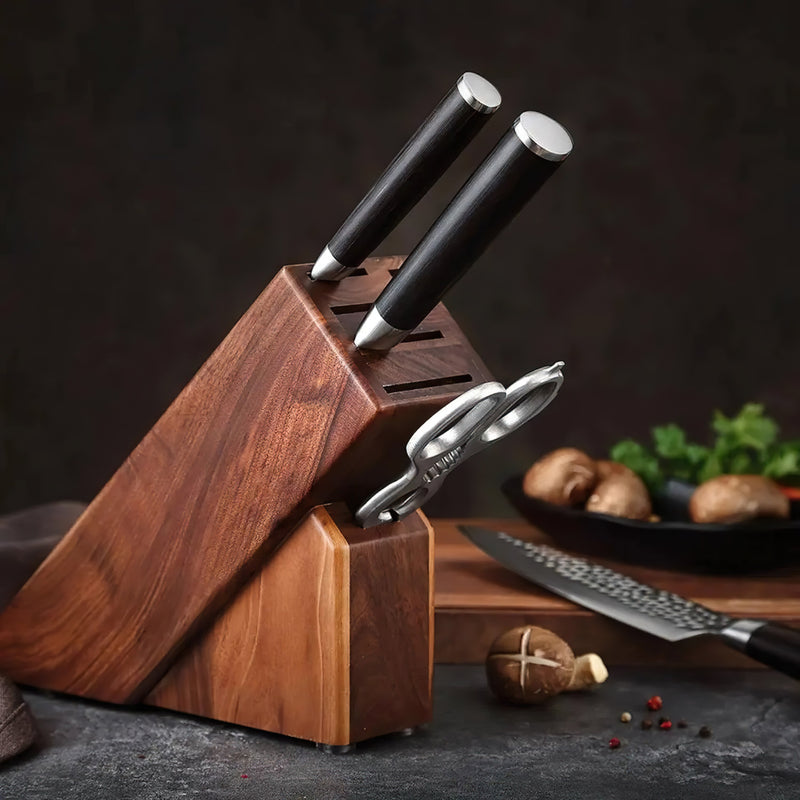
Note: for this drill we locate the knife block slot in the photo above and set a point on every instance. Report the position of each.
(412, 385)
(353, 308)
(422, 336)
(285, 417)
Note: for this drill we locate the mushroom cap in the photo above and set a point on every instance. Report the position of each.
(737, 498)
(605, 469)
(528, 664)
(621, 494)
(564, 477)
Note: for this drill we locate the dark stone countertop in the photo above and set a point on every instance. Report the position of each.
(474, 748)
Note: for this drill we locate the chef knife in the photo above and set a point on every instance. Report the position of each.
(652, 610)
(528, 154)
(451, 126)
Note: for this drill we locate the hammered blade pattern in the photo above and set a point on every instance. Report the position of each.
(637, 596)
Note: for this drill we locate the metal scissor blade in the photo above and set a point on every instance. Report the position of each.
(598, 588)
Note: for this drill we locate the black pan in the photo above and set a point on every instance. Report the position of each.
(674, 542)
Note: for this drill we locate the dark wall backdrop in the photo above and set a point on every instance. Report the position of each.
(160, 161)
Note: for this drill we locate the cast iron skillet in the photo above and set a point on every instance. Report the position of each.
(673, 543)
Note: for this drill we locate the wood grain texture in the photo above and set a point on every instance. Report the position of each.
(278, 656)
(477, 599)
(391, 625)
(330, 641)
(286, 414)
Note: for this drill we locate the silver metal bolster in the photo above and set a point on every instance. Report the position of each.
(327, 268)
(738, 633)
(375, 333)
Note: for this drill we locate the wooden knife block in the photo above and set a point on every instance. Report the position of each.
(171, 588)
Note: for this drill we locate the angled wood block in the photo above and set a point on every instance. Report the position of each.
(330, 641)
(285, 415)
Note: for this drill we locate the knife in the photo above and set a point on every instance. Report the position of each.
(528, 154)
(451, 126)
(654, 611)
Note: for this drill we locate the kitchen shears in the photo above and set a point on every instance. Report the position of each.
(474, 420)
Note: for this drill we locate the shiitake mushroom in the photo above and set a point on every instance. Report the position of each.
(605, 469)
(737, 498)
(619, 492)
(564, 477)
(528, 665)
(569, 477)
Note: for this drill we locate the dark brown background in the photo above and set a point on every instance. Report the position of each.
(161, 160)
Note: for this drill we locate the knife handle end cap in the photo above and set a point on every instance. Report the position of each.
(543, 136)
(478, 93)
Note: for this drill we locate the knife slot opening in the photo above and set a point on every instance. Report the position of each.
(354, 308)
(446, 380)
(358, 273)
(422, 336)
(394, 271)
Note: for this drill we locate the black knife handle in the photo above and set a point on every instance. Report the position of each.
(451, 126)
(776, 646)
(510, 175)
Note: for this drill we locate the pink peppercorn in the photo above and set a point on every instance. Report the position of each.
(655, 703)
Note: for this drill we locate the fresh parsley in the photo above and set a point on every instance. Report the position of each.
(745, 444)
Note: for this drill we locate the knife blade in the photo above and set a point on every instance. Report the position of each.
(524, 158)
(652, 610)
(450, 127)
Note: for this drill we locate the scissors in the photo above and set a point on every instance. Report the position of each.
(474, 420)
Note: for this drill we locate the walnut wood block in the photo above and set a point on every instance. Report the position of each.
(284, 415)
(477, 599)
(330, 641)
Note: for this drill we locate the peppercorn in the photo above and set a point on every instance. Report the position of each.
(682, 723)
(655, 702)
(661, 720)
(625, 716)
(614, 743)
(647, 724)
(705, 732)
(665, 725)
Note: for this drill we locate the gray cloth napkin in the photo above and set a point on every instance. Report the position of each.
(25, 540)
(17, 731)
(27, 537)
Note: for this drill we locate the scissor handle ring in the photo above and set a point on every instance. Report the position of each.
(467, 424)
(525, 398)
(455, 424)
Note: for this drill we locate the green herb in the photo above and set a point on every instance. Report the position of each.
(640, 460)
(746, 444)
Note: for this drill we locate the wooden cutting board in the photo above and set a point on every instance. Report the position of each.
(476, 599)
